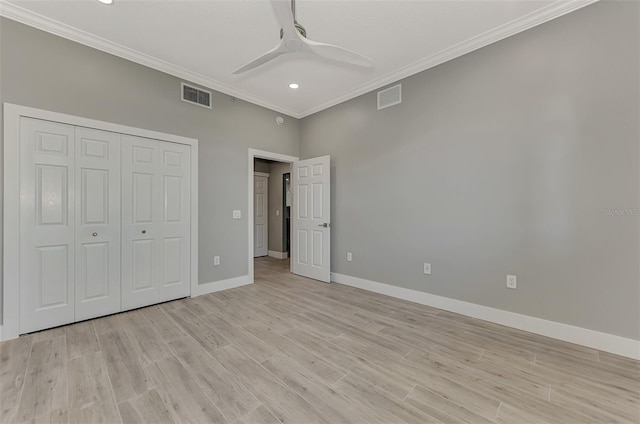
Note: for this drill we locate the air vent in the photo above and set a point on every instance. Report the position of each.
(390, 96)
(196, 96)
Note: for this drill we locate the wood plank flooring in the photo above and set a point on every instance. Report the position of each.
(292, 350)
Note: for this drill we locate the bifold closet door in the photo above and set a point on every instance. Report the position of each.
(47, 219)
(70, 224)
(97, 229)
(155, 221)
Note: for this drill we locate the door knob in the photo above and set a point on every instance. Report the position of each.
(325, 225)
(94, 234)
(144, 231)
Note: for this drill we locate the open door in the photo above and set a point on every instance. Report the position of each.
(311, 232)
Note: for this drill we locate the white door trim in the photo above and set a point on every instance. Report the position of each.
(261, 174)
(259, 154)
(11, 239)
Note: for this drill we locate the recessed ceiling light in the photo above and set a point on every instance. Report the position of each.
(106, 1)
(293, 86)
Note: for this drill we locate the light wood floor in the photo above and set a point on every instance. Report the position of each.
(294, 350)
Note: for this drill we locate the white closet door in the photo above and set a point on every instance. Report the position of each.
(260, 215)
(46, 224)
(97, 240)
(155, 221)
(175, 273)
(141, 232)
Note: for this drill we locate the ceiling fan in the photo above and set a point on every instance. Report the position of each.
(293, 38)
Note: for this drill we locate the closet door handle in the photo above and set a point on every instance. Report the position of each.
(144, 231)
(95, 234)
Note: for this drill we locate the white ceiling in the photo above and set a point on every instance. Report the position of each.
(204, 41)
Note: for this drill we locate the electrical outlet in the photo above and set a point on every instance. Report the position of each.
(427, 268)
(277, 212)
(237, 214)
(512, 282)
(349, 257)
(216, 260)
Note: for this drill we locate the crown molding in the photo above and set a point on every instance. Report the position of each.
(538, 17)
(27, 17)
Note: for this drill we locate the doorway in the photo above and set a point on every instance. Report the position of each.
(269, 208)
(310, 214)
(273, 213)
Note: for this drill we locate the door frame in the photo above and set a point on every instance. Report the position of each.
(11, 239)
(258, 154)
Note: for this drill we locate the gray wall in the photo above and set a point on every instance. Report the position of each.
(278, 169)
(47, 72)
(503, 161)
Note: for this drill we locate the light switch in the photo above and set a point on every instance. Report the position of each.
(237, 214)
(277, 212)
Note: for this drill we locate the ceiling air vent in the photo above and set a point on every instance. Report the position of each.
(390, 96)
(196, 96)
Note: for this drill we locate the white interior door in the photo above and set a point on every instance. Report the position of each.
(175, 171)
(46, 224)
(155, 221)
(141, 232)
(260, 215)
(97, 224)
(311, 222)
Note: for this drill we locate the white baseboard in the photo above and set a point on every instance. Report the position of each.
(221, 285)
(578, 335)
(278, 255)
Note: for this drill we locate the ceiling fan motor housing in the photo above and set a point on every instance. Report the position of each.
(299, 27)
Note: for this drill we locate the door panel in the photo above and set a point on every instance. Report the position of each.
(260, 215)
(172, 195)
(52, 190)
(143, 265)
(97, 225)
(302, 247)
(156, 230)
(94, 196)
(317, 248)
(46, 224)
(172, 263)
(95, 270)
(142, 198)
(311, 218)
(53, 276)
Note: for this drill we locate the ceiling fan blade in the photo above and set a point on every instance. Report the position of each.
(284, 15)
(261, 60)
(339, 54)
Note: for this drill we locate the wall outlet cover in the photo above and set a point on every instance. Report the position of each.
(427, 268)
(216, 260)
(349, 257)
(512, 282)
(237, 214)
